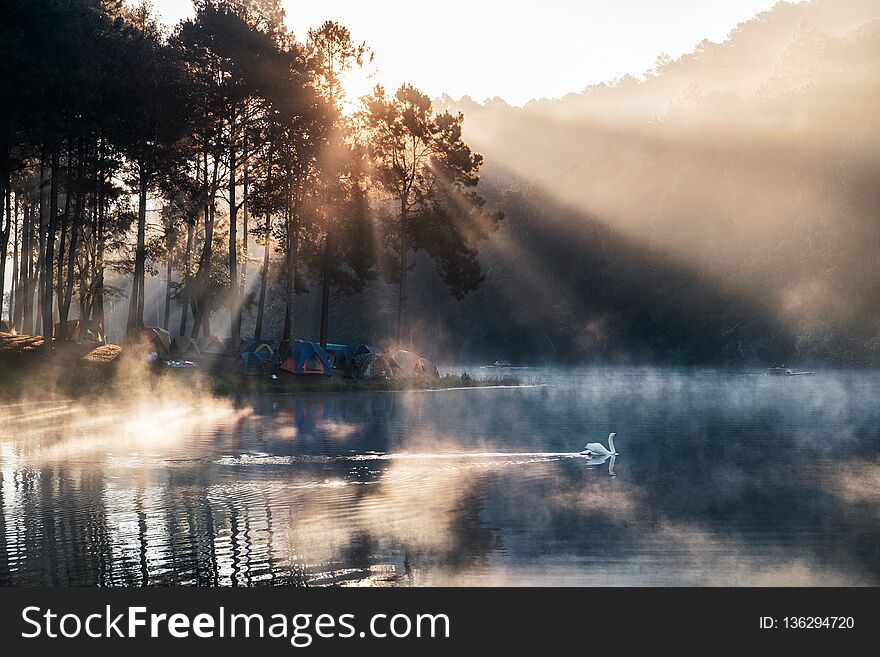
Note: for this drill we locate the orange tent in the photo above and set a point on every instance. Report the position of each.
(69, 333)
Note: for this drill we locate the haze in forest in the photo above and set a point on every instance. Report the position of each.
(722, 207)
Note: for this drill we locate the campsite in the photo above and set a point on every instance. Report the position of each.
(82, 366)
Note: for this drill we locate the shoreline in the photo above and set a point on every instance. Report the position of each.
(80, 370)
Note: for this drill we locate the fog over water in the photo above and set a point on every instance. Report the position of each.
(723, 478)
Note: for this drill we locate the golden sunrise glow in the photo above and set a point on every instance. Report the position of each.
(518, 50)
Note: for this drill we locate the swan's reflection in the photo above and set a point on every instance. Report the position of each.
(601, 460)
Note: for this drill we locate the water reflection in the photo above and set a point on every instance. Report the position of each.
(610, 459)
(460, 487)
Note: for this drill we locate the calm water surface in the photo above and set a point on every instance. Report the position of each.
(723, 478)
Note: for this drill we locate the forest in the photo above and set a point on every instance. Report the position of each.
(132, 154)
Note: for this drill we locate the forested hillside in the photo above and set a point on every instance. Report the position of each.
(724, 207)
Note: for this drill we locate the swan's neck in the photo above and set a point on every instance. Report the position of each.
(611, 444)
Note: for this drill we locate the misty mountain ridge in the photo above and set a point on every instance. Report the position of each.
(745, 171)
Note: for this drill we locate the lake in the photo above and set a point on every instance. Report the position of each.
(722, 478)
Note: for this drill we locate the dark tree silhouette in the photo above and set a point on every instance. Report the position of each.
(422, 162)
(124, 149)
(340, 234)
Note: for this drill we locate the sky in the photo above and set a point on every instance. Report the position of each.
(515, 49)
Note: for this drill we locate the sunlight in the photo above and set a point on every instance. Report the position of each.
(357, 82)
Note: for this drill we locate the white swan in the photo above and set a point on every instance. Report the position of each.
(598, 449)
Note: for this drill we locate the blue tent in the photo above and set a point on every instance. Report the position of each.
(250, 345)
(253, 364)
(340, 355)
(343, 356)
(307, 358)
(264, 352)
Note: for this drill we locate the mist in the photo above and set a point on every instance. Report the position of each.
(721, 208)
(720, 480)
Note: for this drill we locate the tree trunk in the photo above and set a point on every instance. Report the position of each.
(24, 269)
(198, 299)
(89, 266)
(289, 278)
(203, 276)
(325, 291)
(42, 228)
(169, 251)
(234, 302)
(62, 240)
(184, 299)
(15, 292)
(136, 307)
(194, 311)
(98, 305)
(245, 234)
(264, 275)
(74, 238)
(31, 287)
(264, 278)
(401, 292)
(5, 220)
(48, 276)
(166, 319)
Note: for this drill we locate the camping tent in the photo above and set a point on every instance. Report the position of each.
(153, 338)
(184, 347)
(307, 358)
(92, 331)
(257, 356)
(264, 352)
(283, 349)
(208, 344)
(372, 366)
(341, 356)
(253, 365)
(250, 345)
(412, 364)
(365, 349)
(69, 332)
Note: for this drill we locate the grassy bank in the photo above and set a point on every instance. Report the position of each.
(72, 370)
(86, 370)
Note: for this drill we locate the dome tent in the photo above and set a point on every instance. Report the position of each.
(307, 359)
(252, 364)
(183, 347)
(413, 364)
(370, 365)
(250, 345)
(209, 344)
(153, 338)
